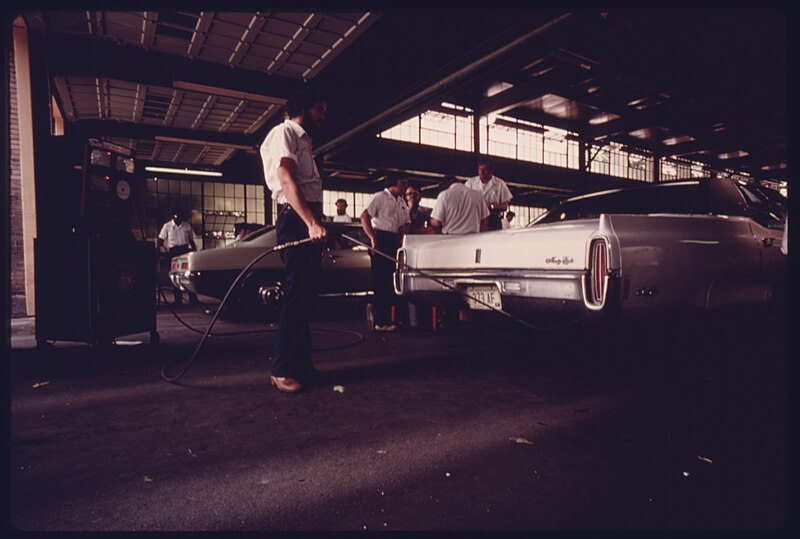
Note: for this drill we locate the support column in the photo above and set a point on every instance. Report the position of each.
(656, 168)
(476, 132)
(26, 161)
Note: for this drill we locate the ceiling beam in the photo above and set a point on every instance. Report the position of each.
(550, 82)
(399, 156)
(100, 128)
(91, 57)
(438, 87)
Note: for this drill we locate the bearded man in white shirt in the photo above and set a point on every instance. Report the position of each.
(341, 212)
(293, 178)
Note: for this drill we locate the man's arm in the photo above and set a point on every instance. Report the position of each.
(162, 235)
(366, 224)
(436, 225)
(484, 224)
(286, 176)
(505, 196)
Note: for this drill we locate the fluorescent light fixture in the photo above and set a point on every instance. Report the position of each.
(779, 166)
(187, 171)
(733, 155)
(498, 87)
(602, 118)
(678, 139)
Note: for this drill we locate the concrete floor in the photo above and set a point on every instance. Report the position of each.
(488, 427)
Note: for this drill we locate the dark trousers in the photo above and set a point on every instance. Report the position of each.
(176, 293)
(495, 220)
(301, 266)
(382, 275)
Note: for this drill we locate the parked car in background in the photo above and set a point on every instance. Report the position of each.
(345, 268)
(696, 246)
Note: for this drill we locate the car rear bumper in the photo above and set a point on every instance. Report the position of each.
(185, 280)
(522, 291)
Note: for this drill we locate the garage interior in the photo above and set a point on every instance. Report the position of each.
(673, 426)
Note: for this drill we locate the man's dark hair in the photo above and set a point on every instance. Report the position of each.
(340, 200)
(392, 180)
(510, 214)
(446, 182)
(301, 102)
(487, 162)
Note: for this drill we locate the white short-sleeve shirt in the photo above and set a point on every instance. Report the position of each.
(785, 240)
(495, 191)
(175, 235)
(460, 210)
(387, 211)
(289, 139)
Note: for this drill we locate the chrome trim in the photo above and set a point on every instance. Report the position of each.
(348, 294)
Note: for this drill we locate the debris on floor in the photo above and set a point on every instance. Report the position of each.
(520, 440)
(338, 389)
(705, 459)
(40, 384)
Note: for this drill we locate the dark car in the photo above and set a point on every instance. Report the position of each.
(345, 268)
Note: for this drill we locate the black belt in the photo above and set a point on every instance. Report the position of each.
(315, 207)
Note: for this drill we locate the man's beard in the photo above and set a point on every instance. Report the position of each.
(313, 129)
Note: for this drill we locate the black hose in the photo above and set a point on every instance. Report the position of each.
(360, 337)
(279, 247)
(455, 289)
(173, 379)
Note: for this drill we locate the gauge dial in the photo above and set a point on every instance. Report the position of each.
(123, 189)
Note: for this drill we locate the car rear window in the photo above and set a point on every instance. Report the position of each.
(688, 197)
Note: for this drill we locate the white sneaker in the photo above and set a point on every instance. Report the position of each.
(371, 315)
(388, 327)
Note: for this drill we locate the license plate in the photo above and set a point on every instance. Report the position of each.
(485, 294)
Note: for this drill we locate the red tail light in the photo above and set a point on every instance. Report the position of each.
(597, 271)
(185, 266)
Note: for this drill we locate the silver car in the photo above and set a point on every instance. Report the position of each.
(345, 268)
(688, 245)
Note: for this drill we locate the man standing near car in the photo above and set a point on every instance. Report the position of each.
(419, 216)
(292, 176)
(458, 210)
(178, 237)
(385, 220)
(494, 190)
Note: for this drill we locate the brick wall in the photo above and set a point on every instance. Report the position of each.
(15, 201)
